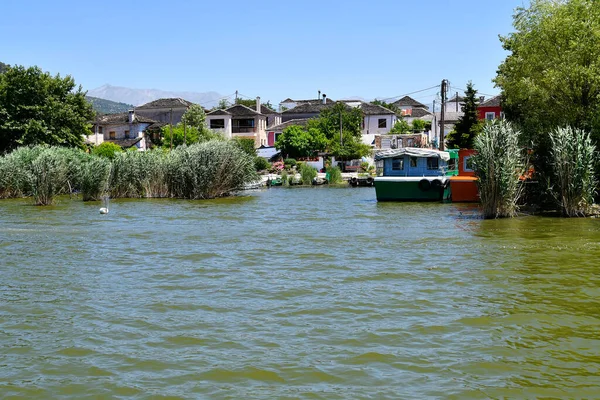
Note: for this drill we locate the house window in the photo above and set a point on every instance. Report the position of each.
(490, 115)
(112, 135)
(217, 124)
(409, 143)
(397, 164)
(99, 129)
(413, 162)
(433, 163)
(382, 123)
(126, 134)
(468, 164)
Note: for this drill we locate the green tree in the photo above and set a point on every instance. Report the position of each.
(468, 125)
(341, 125)
(3, 67)
(297, 141)
(400, 127)
(418, 125)
(194, 117)
(552, 75)
(223, 104)
(246, 145)
(37, 108)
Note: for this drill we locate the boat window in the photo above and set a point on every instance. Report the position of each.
(452, 165)
(397, 164)
(413, 162)
(432, 163)
(468, 164)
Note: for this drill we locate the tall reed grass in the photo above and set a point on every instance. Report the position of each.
(201, 171)
(573, 162)
(307, 174)
(499, 165)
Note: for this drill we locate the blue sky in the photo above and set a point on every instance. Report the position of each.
(272, 49)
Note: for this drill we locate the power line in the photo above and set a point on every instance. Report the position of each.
(408, 94)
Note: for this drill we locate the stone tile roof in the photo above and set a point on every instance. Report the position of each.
(493, 102)
(218, 112)
(174, 102)
(240, 110)
(449, 116)
(282, 126)
(419, 112)
(266, 110)
(408, 101)
(308, 108)
(122, 119)
(374, 109)
(299, 102)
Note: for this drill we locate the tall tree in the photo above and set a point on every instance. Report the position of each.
(552, 75)
(299, 141)
(468, 125)
(37, 108)
(194, 117)
(342, 126)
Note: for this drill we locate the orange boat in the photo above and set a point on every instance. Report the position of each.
(463, 187)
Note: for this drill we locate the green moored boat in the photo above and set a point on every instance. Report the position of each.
(412, 174)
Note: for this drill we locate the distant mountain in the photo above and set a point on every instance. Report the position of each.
(142, 96)
(104, 106)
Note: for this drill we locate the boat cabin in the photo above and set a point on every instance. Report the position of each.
(409, 161)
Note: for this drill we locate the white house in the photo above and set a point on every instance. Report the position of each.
(125, 129)
(241, 121)
(377, 120)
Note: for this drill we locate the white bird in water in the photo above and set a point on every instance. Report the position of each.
(104, 210)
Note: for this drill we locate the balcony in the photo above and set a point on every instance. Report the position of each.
(243, 129)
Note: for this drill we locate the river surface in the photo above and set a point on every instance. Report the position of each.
(302, 293)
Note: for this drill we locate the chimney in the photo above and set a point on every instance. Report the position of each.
(258, 104)
(319, 96)
(481, 99)
(131, 116)
(324, 98)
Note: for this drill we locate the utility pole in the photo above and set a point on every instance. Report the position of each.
(171, 126)
(443, 91)
(341, 126)
(434, 106)
(236, 96)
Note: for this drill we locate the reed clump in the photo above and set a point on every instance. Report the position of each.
(573, 162)
(201, 171)
(499, 164)
(307, 174)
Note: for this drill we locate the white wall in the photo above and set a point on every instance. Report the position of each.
(227, 130)
(372, 124)
(135, 130)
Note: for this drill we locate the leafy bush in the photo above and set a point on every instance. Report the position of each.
(107, 149)
(499, 165)
(307, 173)
(573, 159)
(290, 162)
(246, 145)
(261, 164)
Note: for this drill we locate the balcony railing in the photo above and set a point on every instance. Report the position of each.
(243, 129)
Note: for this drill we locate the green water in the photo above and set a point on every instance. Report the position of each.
(310, 293)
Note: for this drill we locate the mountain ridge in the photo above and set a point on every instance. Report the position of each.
(138, 97)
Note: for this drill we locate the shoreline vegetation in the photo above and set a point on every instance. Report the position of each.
(201, 171)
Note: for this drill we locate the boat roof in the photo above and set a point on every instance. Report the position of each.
(413, 152)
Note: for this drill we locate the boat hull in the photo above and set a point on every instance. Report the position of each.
(433, 188)
(463, 189)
